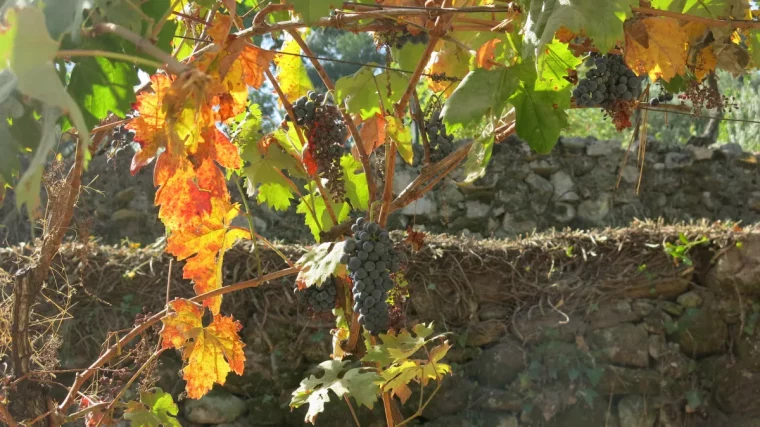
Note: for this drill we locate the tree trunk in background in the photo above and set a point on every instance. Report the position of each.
(710, 133)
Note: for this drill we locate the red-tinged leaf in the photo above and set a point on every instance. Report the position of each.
(485, 55)
(204, 245)
(255, 61)
(149, 125)
(181, 201)
(222, 150)
(210, 353)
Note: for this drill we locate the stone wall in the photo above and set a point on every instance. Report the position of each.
(577, 186)
(574, 186)
(569, 329)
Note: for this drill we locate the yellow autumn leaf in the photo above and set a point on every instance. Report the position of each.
(294, 81)
(665, 55)
(402, 136)
(210, 352)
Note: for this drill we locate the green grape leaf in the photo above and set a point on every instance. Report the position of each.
(753, 45)
(154, 409)
(553, 66)
(540, 111)
(101, 86)
(311, 10)
(602, 20)
(319, 263)
(322, 220)
(355, 183)
(409, 55)
(358, 383)
(28, 187)
(396, 348)
(482, 93)
(122, 12)
(27, 47)
(359, 91)
(65, 17)
(715, 9)
(265, 159)
(397, 376)
(478, 158)
(155, 10)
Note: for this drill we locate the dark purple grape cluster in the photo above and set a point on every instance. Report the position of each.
(371, 259)
(662, 97)
(610, 80)
(321, 298)
(441, 143)
(326, 132)
(401, 39)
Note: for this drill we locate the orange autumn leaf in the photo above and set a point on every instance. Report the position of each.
(665, 55)
(485, 54)
(149, 125)
(179, 197)
(373, 133)
(203, 246)
(255, 61)
(210, 353)
(220, 29)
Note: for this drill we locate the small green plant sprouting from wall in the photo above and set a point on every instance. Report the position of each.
(679, 250)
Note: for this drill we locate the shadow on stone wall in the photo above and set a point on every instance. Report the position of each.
(574, 186)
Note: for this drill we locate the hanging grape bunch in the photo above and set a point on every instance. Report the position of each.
(610, 80)
(441, 143)
(662, 97)
(371, 259)
(321, 299)
(326, 132)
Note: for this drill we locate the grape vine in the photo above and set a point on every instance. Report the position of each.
(73, 68)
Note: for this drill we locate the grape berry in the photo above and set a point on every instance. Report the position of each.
(661, 98)
(611, 80)
(441, 143)
(326, 132)
(371, 259)
(321, 299)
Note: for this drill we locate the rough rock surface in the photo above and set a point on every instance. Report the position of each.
(574, 185)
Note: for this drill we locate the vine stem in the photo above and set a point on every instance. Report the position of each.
(6, 417)
(330, 85)
(731, 23)
(339, 21)
(400, 107)
(112, 351)
(140, 370)
(293, 119)
(171, 64)
(106, 54)
(251, 224)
